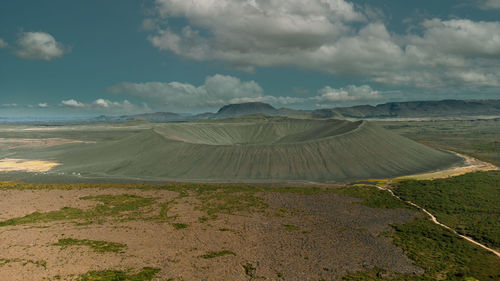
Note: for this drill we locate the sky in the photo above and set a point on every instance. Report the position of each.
(70, 58)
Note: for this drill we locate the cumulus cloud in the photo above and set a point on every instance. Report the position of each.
(98, 103)
(43, 105)
(104, 106)
(349, 93)
(3, 44)
(449, 53)
(248, 33)
(72, 103)
(332, 36)
(39, 46)
(217, 90)
(103, 103)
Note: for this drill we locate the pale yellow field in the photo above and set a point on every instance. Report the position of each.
(23, 165)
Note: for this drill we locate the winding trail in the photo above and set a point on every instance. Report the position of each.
(434, 220)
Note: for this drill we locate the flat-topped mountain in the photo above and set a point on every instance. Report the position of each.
(234, 110)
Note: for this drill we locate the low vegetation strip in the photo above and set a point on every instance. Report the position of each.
(146, 274)
(214, 254)
(123, 206)
(97, 246)
(467, 203)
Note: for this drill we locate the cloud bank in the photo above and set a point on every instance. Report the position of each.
(219, 90)
(331, 36)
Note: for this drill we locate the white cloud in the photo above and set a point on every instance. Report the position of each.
(250, 32)
(98, 103)
(110, 104)
(39, 46)
(3, 44)
(9, 105)
(282, 101)
(332, 36)
(489, 4)
(349, 93)
(217, 90)
(72, 103)
(449, 53)
(464, 38)
(104, 106)
(43, 104)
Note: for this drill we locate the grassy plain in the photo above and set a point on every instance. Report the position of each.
(467, 203)
(479, 138)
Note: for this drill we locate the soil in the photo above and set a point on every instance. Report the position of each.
(297, 237)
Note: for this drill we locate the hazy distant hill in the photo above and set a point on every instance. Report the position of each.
(442, 108)
(417, 109)
(152, 117)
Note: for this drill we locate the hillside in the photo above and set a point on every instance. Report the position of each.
(442, 108)
(234, 110)
(270, 149)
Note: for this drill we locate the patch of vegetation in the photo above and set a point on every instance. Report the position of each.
(290, 227)
(230, 202)
(146, 274)
(203, 219)
(211, 255)
(467, 203)
(180, 225)
(164, 209)
(250, 270)
(122, 206)
(97, 246)
(214, 200)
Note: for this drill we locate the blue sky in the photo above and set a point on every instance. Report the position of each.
(83, 58)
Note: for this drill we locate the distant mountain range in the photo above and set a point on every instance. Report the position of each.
(443, 108)
(227, 111)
